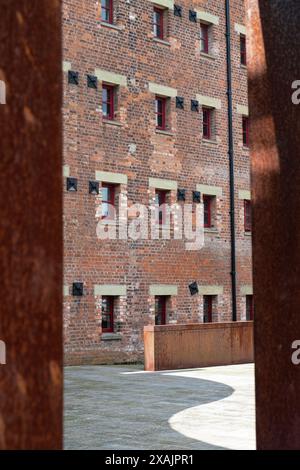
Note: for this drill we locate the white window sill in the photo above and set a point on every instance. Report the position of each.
(111, 26)
(111, 337)
(207, 56)
(211, 230)
(210, 142)
(112, 123)
(248, 234)
(163, 42)
(162, 132)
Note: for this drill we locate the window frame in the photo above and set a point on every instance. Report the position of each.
(204, 28)
(112, 90)
(243, 50)
(206, 122)
(162, 113)
(245, 128)
(209, 199)
(161, 213)
(160, 25)
(110, 10)
(112, 191)
(249, 308)
(164, 299)
(111, 305)
(209, 299)
(247, 216)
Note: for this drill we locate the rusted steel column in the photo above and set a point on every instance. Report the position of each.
(274, 64)
(31, 224)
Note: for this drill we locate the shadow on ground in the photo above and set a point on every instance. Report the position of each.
(111, 408)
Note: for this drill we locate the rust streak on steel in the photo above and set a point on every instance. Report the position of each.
(274, 63)
(31, 224)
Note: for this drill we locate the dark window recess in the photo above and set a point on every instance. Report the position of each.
(243, 49)
(207, 203)
(245, 131)
(108, 102)
(179, 102)
(180, 194)
(204, 38)
(194, 105)
(207, 308)
(160, 202)
(206, 123)
(160, 310)
(158, 23)
(193, 16)
(107, 312)
(73, 77)
(178, 11)
(194, 288)
(77, 289)
(71, 184)
(93, 187)
(92, 82)
(196, 196)
(160, 111)
(247, 215)
(249, 308)
(107, 13)
(108, 201)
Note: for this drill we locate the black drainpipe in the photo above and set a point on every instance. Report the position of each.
(231, 160)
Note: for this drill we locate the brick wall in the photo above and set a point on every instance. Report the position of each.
(132, 147)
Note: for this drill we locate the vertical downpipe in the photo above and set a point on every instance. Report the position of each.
(231, 161)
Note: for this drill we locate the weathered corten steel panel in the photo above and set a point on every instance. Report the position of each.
(198, 345)
(31, 224)
(274, 64)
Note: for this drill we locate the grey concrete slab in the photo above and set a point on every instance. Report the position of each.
(123, 407)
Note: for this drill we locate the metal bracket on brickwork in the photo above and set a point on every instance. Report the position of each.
(73, 77)
(92, 82)
(77, 289)
(196, 196)
(179, 102)
(71, 184)
(195, 105)
(194, 288)
(181, 195)
(93, 187)
(178, 11)
(193, 16)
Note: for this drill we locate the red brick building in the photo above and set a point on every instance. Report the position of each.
(146, 118)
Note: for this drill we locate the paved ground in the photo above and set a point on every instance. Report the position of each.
(122, 408)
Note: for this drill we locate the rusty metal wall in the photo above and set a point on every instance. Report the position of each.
(274, 64)
(31, 224)
(198, 345)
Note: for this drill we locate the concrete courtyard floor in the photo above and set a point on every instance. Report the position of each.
(123, 407)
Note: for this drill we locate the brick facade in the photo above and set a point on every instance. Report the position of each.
(128, 151)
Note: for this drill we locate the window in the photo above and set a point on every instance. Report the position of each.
(249, 307)
(204, 38)
(207, 308)
(107, 11)
(107, 314)
(245, 131)
(207, 123)
(108, 201)
(160, 310)
(207, 203)
(160, 110)
(108, 97)
(247, 215)
(158, 23)
(160, 202)
(243, 49)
